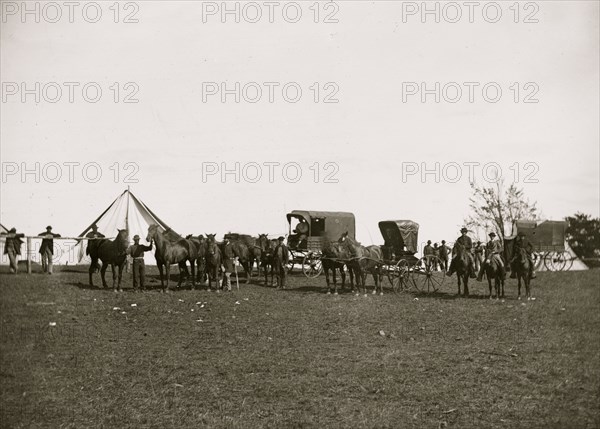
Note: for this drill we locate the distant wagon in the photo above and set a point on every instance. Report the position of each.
(548, 241)
(403, 269)
(309, 232)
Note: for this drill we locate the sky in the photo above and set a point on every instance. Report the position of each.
(369, 148)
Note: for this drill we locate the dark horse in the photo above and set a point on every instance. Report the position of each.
(240, 244)
(495, 271)
(462, 266)
(520, 263)
(334, 259)
(200, 243)
(110, 252)
(213, 261)
(363, 260)
(171, 248)
(266, 257)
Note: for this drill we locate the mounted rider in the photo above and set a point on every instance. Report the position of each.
(465, 241)
(522, 243)
(493, 252)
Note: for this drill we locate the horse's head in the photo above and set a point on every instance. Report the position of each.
(152, 233)
(122, 239)
(263, 241)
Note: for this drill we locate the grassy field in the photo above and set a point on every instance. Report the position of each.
(298, 358)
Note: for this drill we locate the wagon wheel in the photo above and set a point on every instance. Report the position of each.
(312, 266)
(538, 259)
(428, 274)
(557, 261)
(399, 276)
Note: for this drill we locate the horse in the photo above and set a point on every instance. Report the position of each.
(521, 266)
(267, 253)
(200, 243)
(171, 248)
(110, 252)
(461, 264)
(494, 271)
(363, 260)
(241, 250)
(332, 260)
(213, 259)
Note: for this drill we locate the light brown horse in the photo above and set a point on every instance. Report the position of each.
(171, 248)
(110, 252)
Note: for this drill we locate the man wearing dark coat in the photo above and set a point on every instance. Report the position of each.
(47, 249)
(136, 251)
(93, 244)
(12, 248)
(521, 242)
(227, 266)
(281, 256)
(444, 252)
(467, 244)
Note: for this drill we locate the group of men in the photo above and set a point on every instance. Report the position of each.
(12, 248)
(494, 252)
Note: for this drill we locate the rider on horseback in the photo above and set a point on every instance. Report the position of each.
(493, 252)
(467, 244)
(522, 243)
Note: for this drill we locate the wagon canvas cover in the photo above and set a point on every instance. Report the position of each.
(399, 233)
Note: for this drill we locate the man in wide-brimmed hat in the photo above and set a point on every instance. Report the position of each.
(465, 241)
(493, 251)
(47, 249)
(136, 251)
(12, 248)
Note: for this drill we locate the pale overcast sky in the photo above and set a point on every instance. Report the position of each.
(369, 133)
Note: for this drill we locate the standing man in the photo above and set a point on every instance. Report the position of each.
(465, 241)
(227, 266)
(281, 256)
(493, 250)
(428, 253)
(521, 242)
(444, 251)
(136, 251)
(47, 249)
(478, 253)
(436, 253)
(12, 248)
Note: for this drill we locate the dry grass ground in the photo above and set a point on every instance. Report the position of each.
(298, 358)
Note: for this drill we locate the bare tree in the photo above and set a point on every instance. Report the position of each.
(492, 209)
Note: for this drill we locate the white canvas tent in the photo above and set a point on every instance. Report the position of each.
(126, 212)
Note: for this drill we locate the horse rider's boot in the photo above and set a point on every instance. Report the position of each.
(473, 271)
(480, 275)
(531, 272)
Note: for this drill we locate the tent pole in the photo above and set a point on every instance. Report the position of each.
(127, 225)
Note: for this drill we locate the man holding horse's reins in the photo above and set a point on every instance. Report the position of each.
(522, 243)
(136, 251)
(93, 244)
(493, 252)
(465, 241)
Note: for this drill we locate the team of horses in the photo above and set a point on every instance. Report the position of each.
(346, 255)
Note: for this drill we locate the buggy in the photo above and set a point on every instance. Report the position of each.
(309, 231)
(548, 241)
(403, 269)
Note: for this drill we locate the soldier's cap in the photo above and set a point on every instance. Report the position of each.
(136, 237)
(48, 227)
(281, 238)
(444, 241)
(463, 229)
(492, 234)
(13, 230)
(94, 226)
(428, 241)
